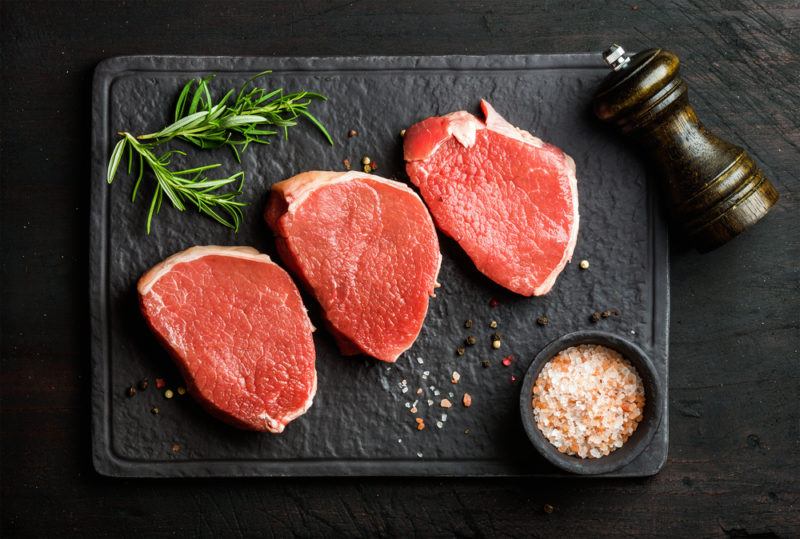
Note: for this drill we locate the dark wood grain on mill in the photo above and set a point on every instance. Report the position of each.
(735, 383)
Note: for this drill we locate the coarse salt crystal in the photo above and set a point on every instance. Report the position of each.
(420, 360)
(588, 400)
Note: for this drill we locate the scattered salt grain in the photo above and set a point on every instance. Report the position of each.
(419, 454)
(430, 402)
(399, 440)
(439, 424)
(588, 400)
(420, 360)
(436, 392)
(451, 394)
(444, 417)
(408, 405)
(405, 390)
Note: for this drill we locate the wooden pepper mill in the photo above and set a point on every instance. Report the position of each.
(714, 189)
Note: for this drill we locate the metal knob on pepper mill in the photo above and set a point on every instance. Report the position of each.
(714, 189)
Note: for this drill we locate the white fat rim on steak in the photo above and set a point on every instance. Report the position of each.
(325, 178)
(150, 278)
(548, 283)
(463, 126)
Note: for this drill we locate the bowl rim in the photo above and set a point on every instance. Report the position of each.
(638, 441)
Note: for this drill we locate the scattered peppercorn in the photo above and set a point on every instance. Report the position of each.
(374, 166)
(596, 316)
(366, 160)
(346, 163)
(467, 400)
(496, 344)
(468, 324)
(471, 340)
(181, 390)
(548, 508)
(513, 378)
(584, 265)
(460, 351)
(493, 324)
(543, 320)
(352, 133)
(169, 394)
(154, 410)
(507, 360)
(466, 431)
(144, 384)
(160, 383)
(493, 303)
(367, 169)
(131, 391)
(485, 364)
(176, 448)
(402, 132)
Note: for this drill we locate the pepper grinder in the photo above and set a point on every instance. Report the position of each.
(714, 189)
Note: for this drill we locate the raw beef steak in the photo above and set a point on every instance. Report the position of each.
(366, 248)
(234, 322)
(509, 199)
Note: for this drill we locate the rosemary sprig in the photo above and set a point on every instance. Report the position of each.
(200, 121)
(203, 123)
(179, 186)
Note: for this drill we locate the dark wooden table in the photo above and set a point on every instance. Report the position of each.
(734, 457)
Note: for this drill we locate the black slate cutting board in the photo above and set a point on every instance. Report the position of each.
(359, 424)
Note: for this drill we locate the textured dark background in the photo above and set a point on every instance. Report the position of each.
(734, 385)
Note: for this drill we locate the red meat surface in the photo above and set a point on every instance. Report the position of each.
(235, 323)
(508, 199)
(366, 248)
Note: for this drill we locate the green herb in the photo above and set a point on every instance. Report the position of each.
(200, 121)
(181, 187)
(203, 123)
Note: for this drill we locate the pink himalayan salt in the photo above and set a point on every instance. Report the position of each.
(588, 400)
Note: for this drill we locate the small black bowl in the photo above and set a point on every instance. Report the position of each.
(638, 440)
